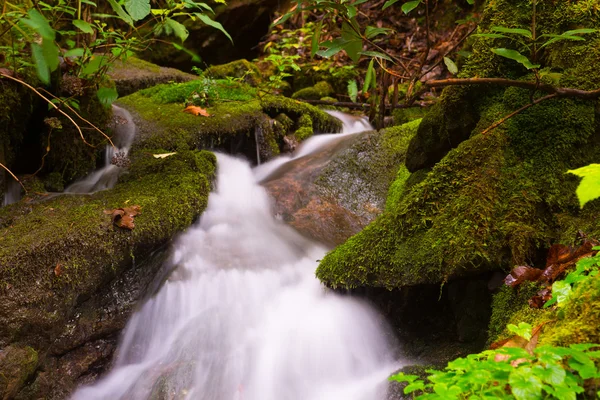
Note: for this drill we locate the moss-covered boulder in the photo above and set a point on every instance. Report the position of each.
(333, 194)
(17, 365)
(136, 74)
(495, 200)
(57, 254)
(316, 92)
(239, 69)
(237, 120)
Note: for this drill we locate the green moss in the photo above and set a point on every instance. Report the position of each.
(17, 364)
(241, 69)
(316, 92)
(510, 305)
(305, 128)
(74, 233)
(322, 122)
(404, 115)
(579, 318)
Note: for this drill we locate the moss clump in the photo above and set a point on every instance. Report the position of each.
(62, 250)
(324, 70)
(241, 69)
(316, 92)
(322, 122)
(17, 365)
(404, 115)
(305, 128)
(510, 306)
(579, 318)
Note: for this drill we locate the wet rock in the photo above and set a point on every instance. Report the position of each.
(17, 364)
(331, 195)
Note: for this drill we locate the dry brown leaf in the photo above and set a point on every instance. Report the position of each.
(123, 217)
(521, 274)
(58, 269)
(196, 111)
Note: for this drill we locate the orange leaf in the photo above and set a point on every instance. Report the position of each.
(123, 217)
(196, 111)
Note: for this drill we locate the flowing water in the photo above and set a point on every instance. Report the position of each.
(13, 191)
(107, 176)
(242, 316)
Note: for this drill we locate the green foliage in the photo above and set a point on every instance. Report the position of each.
(562, 290)
(91, 45)
(589, 188)
(511, 373)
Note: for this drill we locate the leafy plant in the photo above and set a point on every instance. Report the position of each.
(511, 373)
(585, 269)
(589, 188)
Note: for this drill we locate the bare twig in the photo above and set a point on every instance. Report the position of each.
(14, 176)
(49, 102)
(544, 87)
(520, 110)
(450, 50)
(64, 103)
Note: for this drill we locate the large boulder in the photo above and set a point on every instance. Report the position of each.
(333, 194)
(59, 255)
(496, 200)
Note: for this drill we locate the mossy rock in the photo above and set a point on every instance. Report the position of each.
(235, 116)
(17, 364)
(56, 253)
(240, 69)
(316, 92)
(135, 74)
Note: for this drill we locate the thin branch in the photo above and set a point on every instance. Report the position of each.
(49, 102)
(450, 50)
(544, 87)
(14, 176)
(520, 110)
(64, 103)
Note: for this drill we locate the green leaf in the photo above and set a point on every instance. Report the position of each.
(210, 22)
(332, 47)
(375, 54)
(410, 5)
(138, 9)
(77, 52)
(353, 43)
(352, 90)
(523, 330)
(589, 187)
(41, 66)
(389, 3)
(524, 385)
(83, 26)
(107, 96)
(562, 291)
(579, 31)
(523, 32)
(179, 30)
(559, 38)
(371, 31)
(51, 53)
(516, 56)
(195, 57)
(452, 68)
(120, 12)
(39, 24)
(351, 11)
(491, 35)
(316, 39)
(369, 77)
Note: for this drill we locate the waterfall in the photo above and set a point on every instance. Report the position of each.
(242, 316)
(107, 176)
(13, 191)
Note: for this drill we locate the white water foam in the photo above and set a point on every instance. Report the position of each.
(107, 176)
(242, 316)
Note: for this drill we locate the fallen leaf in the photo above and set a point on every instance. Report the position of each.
(163, 155)
(521, 274)
(123, 217)
(196, 111)
(58, 269)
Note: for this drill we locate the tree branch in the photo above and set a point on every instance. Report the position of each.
(543, 87)
(520, 110)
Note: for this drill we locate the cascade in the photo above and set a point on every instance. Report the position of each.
(242, 316)
(107, 176)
